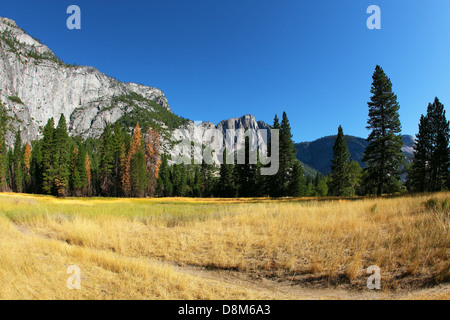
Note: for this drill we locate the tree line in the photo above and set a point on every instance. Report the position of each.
(123, 164)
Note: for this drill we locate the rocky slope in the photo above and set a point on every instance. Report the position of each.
(35, 85)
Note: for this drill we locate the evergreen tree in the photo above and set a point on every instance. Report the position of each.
(153, 158)
(107, 161)
(322, 186)
(196, 183)
(135, 146)
(297, 183)
(61, 146)
(10, 166)
(119, 158)
(47, 149)
(164, 187)
(207, 179)
(27, 167)
(287, 155)
(36, 167)
(340, 167)
(179, 180)
(355, 177)
(419, 171)
(78, 172)
(431, 156)
(87, 162)
(138, 175)
(247, 176)
(383, 155)
(273, 182)
(226, 186)
(310, 190)
(18, 164)
(3, 149)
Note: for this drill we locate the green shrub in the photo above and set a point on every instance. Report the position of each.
(15, 99)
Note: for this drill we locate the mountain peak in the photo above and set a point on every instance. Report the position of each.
(36, 86)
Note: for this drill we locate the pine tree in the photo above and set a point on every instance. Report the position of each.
(153, 158)
(197, 182)
(383, 155)
(226, 186)
(47, 149)
(280, 182)
(3, 150)
(138, 175)
(119, 158)
(18, 163)
(297, 184)
(207, 172)
(27, 166)
(61, 157)
(78, 171)
(322, 186)
(10, 166)
(87, 162)
(247, 176)
(164, 187)
(135, 146)
(431, 156)
(340, 167)
(273, 183)
(440, 131)
(355, 176)
(419, 171)
(179, 180)
(107, 162)
(36, 167)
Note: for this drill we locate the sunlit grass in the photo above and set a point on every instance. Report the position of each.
(332, 240)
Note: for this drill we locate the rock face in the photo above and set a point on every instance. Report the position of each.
(207, 134)
(36, 85)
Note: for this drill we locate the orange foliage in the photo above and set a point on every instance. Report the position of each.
(153, 158)
(136, 145)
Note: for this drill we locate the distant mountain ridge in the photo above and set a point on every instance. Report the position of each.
(319, 153)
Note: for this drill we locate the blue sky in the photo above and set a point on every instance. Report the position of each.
(216, 60)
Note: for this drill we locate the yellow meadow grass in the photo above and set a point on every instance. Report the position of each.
(332, 241)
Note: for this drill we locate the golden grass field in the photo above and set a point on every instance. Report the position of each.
(182, 248)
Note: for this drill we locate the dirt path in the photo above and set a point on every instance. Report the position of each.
(282, 289)
(288, 290)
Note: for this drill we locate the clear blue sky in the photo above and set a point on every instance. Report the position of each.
(220, 59)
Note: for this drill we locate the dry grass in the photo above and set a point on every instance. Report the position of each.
(326, 243)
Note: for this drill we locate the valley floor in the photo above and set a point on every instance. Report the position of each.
(181, 248)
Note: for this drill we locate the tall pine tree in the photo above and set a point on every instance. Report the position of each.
(27, 167)
(383, 156)
(107, 185)
(47, 152)
(431, 156)
(340, 167)
(226, 186)
(135, 146)
(61, 147)
(18, 163)
(3, 150)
